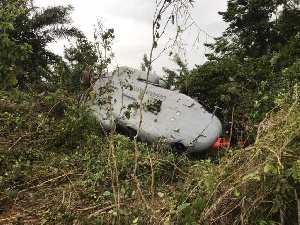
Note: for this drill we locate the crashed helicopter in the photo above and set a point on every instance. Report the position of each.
(168, 115)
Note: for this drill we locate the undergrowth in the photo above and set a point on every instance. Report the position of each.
(54, 170)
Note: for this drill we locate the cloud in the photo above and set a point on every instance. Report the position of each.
(132, 22)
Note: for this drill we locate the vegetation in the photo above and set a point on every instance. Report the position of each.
(247, 69)
(58, 166)
(12, 50)
(35, 28)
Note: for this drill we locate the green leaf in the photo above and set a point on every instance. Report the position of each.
(154, 44)
(183, 206)
(199, 204)
(10, 26)
(141, 96)
(237, 193)
(127, 114)
(135, 220)
(253, 176)
(106, 193)
(269, 167)
(157, 26)
(179, 29)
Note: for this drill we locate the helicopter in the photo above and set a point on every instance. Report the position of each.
(167, 116)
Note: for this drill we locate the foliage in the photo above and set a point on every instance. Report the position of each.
(50, 139)
(247, 69)
(58, 166)
(12, 50)
(81, 56)
(54, 154)
(146, 63)
(38, 27)
(177, 79)
(104, 39)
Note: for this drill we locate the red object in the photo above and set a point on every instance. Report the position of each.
(221, 142)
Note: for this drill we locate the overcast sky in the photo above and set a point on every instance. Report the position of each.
(132, 22)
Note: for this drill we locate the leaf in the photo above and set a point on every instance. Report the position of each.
(253, 176)
(179, 29)
(237, 193)
(160, 194)
(154, 44)
(135, 220)
(192, 2)
(127, 114)
(106, 193)
(157, 26)
(141, 96)
(199, 204)
(183, 206)
(269, 167)
(10, 26)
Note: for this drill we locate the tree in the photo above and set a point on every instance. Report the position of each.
(81, 56)
(179, 78)
(146, 63)
(252, 23)
(12, 51)
(258, 27)
(38, 27)
(249, 62)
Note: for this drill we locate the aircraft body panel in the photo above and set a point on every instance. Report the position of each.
(168, 115)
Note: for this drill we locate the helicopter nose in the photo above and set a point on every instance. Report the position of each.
(208, 136)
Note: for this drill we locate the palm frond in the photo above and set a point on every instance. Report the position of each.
(52, 16)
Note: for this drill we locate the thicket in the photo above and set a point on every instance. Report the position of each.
(57, 165)
(253, 63)
(54, 169)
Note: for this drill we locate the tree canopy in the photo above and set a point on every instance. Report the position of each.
(37, 27)
(253, 62)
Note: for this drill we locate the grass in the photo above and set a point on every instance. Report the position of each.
(54, 170)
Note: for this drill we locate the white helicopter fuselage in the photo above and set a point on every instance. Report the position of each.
(167, 115)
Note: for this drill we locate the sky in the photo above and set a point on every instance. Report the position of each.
(132, 22)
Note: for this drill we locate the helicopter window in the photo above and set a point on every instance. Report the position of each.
(147, 81)
(154, 106)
